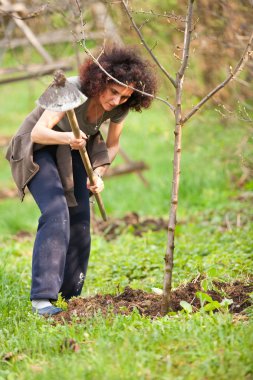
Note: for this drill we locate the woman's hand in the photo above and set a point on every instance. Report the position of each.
(98, 184)
(43, 132)
(77, 143)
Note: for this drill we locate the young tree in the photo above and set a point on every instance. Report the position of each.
(180, 120)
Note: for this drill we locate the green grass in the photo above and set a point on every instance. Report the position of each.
(17, 216)
(131, 347)
(209, 241)
(136, 348)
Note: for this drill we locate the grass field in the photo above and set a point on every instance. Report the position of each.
(214, 238)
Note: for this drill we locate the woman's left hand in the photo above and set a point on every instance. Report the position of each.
(98, 184)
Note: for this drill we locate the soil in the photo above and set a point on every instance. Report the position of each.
(8, 193)
(149, 304)
(23, 235)
(132, 221)
(138, 225)
(4, 141)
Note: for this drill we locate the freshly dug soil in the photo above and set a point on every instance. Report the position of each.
(149, 304)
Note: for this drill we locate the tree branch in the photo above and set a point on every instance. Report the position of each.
(13, 12)
(172, 80)
(164, 15)
(233, 74)
(187, 39)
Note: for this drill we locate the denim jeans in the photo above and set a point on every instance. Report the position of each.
(62, 245)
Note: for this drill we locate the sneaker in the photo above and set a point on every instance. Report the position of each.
(49, 310)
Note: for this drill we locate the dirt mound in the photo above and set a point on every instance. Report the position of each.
(130, 222)
(8, 193)
(4, 141)
(149, 304)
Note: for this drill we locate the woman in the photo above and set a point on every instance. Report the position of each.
(44, 157)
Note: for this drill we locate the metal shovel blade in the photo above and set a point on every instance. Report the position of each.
(61, 95)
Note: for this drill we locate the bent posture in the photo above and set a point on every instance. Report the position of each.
(44, 157)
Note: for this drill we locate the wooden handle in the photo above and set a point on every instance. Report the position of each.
(86, 161)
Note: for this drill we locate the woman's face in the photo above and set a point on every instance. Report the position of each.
(114, 95)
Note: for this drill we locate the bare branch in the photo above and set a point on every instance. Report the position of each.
(239, 67)
(14, 14)
(241, 113)
(79, 8)
(172, 80)
(187, 39)
(81, 19)
(113, 2)
(144, 23)
(171, 16)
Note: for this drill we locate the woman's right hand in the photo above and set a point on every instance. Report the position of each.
(77, 143)
(43, 132)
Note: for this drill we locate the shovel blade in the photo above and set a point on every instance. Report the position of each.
(61, 98)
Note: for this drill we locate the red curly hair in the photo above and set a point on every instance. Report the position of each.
(127, 66)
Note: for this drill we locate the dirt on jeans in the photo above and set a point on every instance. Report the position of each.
(149, 304)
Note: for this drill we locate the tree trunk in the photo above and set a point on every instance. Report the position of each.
(174, 201)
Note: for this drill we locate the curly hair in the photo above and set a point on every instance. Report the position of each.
(127, 66)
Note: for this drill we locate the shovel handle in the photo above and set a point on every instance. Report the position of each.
(86, 161)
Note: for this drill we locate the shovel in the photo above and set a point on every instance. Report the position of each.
(63, 96)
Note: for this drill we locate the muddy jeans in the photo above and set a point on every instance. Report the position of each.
(62, 245)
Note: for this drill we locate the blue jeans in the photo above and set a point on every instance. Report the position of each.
(62, 245)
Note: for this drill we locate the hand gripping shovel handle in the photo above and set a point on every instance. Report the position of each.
(85, 158)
